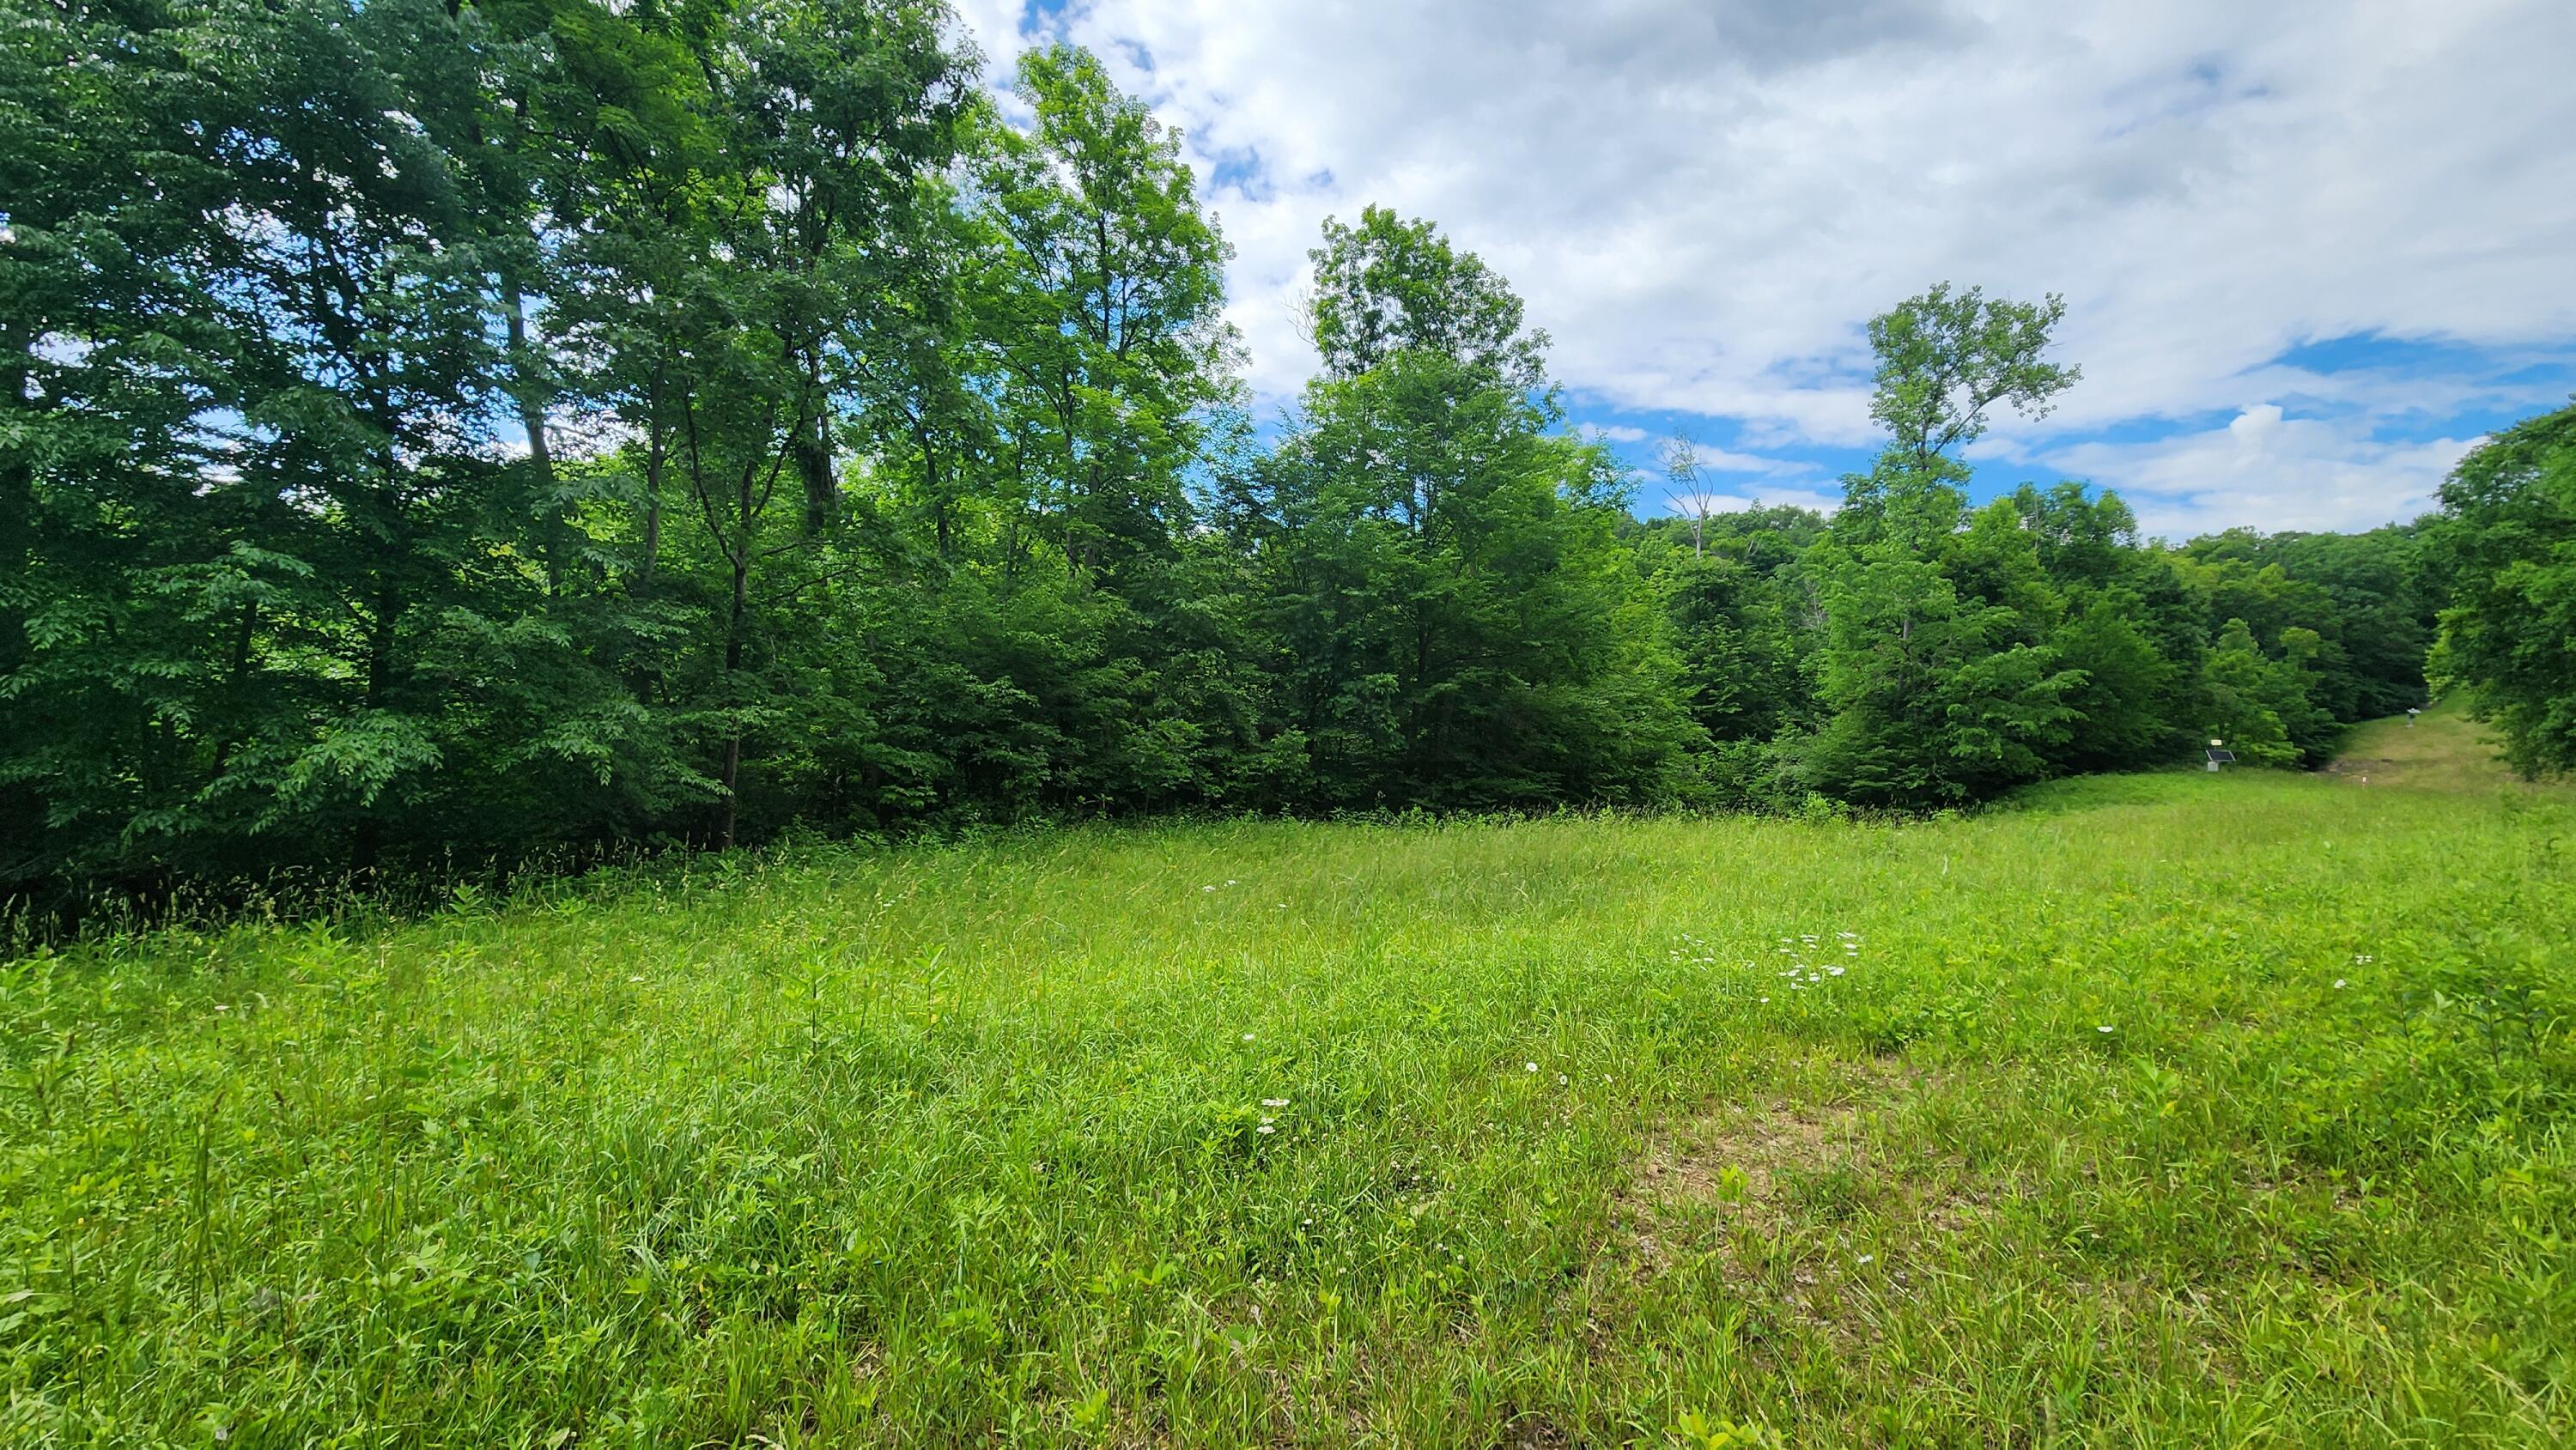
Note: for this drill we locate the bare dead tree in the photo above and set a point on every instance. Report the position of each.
(1680, 459)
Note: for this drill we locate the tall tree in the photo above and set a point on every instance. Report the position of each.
(738, 306)
(1945, 359)
(1939, 669)
(2506, 541)
(1107, 309)
(114, 587)
(1389, 286)
(1453, 617)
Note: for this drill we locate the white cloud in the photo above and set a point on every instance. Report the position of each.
(1720, 460)
(1704, 457)
(994, 26)
(1805, 498)
(1704, 201)
(2270, 471)
(1684, 504)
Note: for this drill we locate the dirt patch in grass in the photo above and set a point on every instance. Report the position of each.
(1738, 1160)
(1771, 1194)
(1534, 1432)
(1812, 1214)
(1760, 1165)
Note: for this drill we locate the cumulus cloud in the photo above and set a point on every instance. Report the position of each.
(1729, 503)
(1620, 433)
(2289, 473)
(1703, 200)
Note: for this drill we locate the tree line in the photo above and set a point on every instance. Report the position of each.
(438, 432)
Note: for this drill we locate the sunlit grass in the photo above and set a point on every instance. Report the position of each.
(946, 1144)
(2444, 749)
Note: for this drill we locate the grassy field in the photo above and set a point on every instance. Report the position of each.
(2444, 750)
(2159, 1109)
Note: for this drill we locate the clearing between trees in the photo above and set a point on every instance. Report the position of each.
(2163, 1107)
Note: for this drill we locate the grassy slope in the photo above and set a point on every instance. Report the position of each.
(2443, 750)
(938, 1145)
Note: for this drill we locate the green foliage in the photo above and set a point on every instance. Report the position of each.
(1744, 653)
(2506, 542)
(2351, 611)
(2124, 707)
(1932, 700)
(1455, 618)
(1916, 653)
(442, 437)
(1389, 286)
(1945, 358)
(2247, 696)
(1937, 673)
(435, 438)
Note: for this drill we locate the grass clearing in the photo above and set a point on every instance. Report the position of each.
(1578, 1131)
(2443, 750)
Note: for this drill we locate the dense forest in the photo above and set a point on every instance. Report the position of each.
(436, 435)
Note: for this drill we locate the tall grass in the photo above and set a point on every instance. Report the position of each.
(2170, 1108)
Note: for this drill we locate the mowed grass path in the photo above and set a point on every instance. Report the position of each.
(2170, 1109)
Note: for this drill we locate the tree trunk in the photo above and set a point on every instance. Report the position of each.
(17, 503)
(234, 679)
(368, 848)
(939, 523)
(639, 674)
(732, 776)
(657, 457)
(737, 618)
(813, 447)
(529, 391)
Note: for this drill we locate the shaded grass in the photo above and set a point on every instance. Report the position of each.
(944, 1145)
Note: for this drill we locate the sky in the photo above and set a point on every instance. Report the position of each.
(2311, 252)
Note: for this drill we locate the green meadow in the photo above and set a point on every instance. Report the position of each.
(2171, 1108)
